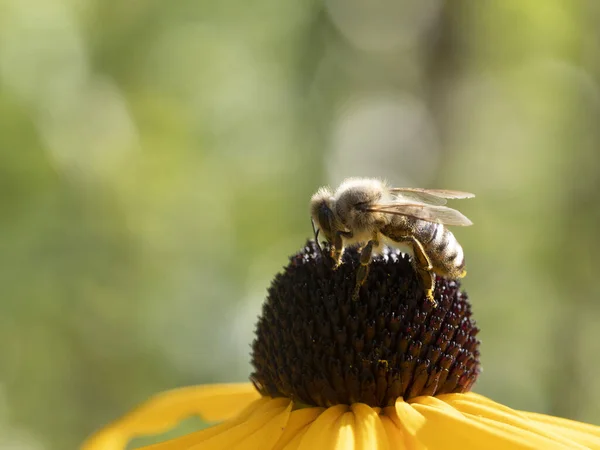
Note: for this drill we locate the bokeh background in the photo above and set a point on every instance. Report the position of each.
(156, 160)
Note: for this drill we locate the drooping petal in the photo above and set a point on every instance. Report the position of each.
(266, 435)
(564, 430)
(395, 435)
(263, 422)
(448, 427)
(344, 432)
(370, 434)
(223, 401)
(296, 441)
(164, 411)
(481, 407)
(297, 425)
(193, 438)
(447, 422)
(588, 435)
(323, 433)
(409, 421)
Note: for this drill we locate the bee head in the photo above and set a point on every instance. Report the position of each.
(321, 209)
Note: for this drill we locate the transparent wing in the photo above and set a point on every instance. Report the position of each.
(430, 213)
(430, 196)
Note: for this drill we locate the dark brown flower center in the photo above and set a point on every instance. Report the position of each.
(317, 346)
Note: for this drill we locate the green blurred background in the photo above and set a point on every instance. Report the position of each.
(156, 161)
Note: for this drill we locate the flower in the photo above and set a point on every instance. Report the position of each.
(387, 371)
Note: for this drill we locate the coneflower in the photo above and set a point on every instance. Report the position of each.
(385, 371)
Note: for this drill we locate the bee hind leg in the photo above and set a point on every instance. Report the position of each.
(428, 281)
(423, 267)
(363, 271)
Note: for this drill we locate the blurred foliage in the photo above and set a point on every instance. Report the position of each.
(156, 161)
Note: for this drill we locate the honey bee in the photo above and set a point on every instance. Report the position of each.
(367, 211)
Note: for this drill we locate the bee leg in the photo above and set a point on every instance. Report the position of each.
(423, 268)
(316, 233)
(338, 246)
(428, 281)
(365, 261)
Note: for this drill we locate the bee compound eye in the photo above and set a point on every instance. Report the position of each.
(325, 219)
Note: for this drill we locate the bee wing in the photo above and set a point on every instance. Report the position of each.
(430, 196)
(429, 213)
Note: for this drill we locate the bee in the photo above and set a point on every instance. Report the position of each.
(368, 212)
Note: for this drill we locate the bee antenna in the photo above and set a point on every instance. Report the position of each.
(316, 233)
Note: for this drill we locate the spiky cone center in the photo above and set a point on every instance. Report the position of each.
(318, 346)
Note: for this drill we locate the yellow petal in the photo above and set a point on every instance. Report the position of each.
(564, 423)
(222, 401)
(294, 443)
(370, 434)
(344, 432)
(447, 422)
(395, 436)
(297, 424)
(164, 411)
(409, 422)
(106, 441)
(455, 399)
(188, 440)
(261, 431)
(323, 432)
(263, 416)
(116, 438)
(568, 432)
(478, 407)
(583, 433)
(448, 429)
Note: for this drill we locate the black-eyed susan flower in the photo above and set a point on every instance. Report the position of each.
(387, 371)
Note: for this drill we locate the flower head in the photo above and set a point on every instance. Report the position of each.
(385, 371)
(318, 346)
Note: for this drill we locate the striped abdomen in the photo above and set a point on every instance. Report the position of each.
(440, 245)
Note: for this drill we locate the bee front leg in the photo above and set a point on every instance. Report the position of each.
(338, 246)
(365, 261)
